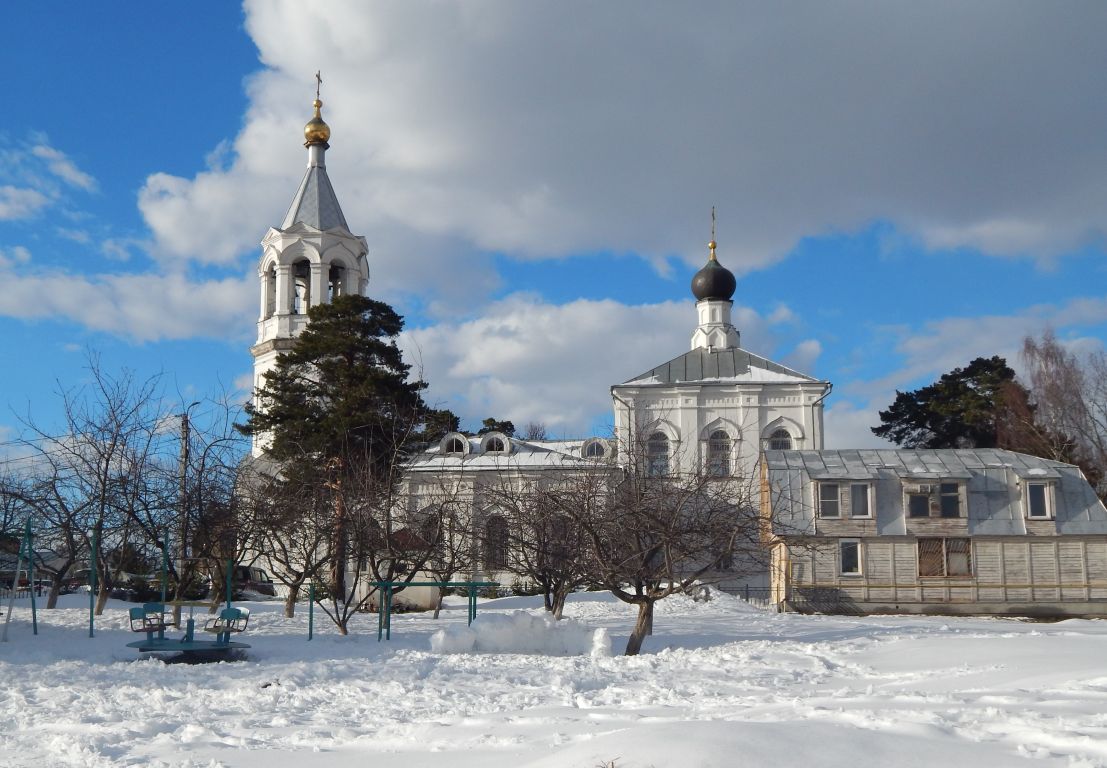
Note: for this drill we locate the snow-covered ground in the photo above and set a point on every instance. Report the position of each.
(719, 684)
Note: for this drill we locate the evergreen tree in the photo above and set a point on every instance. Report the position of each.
(963, 409)
(342, 395)
(494, 425)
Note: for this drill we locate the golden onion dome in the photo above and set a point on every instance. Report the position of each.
(316, 131)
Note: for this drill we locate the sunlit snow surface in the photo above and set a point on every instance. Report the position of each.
(718, 684)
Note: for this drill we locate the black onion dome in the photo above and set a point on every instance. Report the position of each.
(714, 281)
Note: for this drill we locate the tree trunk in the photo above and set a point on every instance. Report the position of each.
(290, 601)
(642, 627)
(558, 606)
(55, 590)
(438, 602)
(102, 598)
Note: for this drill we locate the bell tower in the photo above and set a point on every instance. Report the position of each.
(309, 260)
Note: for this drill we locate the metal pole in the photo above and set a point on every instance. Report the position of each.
(311, 608)
(230, 566)
(164, 570)
(11, 595)
(182, 502)
(92, 558)
(29, 538)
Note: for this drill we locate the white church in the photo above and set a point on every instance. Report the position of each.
(714, 408)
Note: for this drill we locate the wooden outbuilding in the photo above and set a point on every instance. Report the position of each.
(974, 531)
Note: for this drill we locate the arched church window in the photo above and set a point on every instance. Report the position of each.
(270, 291)
(301, 287)
(780, 440)
(718, 454)
(494, 445)
(657, 455)
(336, 282)
(495, 543)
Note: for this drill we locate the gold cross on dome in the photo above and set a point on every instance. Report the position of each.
(318, 82)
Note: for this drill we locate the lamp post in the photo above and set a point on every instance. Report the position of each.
(94, 545)
(182, 502)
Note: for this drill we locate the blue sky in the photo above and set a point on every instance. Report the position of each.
(899, 189)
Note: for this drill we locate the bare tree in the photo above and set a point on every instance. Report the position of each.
(89, 481)
(1066, 418)
(535, 430)
(650, 533)
(547, 548)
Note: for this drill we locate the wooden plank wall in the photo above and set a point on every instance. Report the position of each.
(1004, 570)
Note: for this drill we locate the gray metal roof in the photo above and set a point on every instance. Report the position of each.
(733, 364)
(991, 476)
(315, 203)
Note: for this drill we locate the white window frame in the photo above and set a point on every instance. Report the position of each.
(867, 490)
(837, 500)
(860, 560)
(1047, 494)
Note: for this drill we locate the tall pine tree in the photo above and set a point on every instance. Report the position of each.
(342, 395)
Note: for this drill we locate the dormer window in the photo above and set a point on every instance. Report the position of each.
(455, 444)
(495, 442)
(1038, 500)
(594, 449)
(941, 499)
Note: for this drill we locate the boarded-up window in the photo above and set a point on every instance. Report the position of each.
(945, 557)
(859, 500)
(850, 557)
(828, 500)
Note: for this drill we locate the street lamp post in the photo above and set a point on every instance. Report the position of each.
(182, 502)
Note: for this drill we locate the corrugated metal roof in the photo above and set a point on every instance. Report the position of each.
(733, 364)
(992, 480)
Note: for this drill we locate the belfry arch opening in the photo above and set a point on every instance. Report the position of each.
(270, 289)
(301, 287)
(336, 282)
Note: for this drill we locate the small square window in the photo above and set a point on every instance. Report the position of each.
(849, 552)
(859, 500)
(828, 500)
(918, 505)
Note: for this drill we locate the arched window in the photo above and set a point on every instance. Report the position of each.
(594, 450)
(270, 291)
(301, 287)
(455, 445)
(657, 455)
(494, 445)
(495, 543)
(718, 454)
(780, 440)
(336, 282)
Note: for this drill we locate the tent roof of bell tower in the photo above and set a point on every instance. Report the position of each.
(315, 203)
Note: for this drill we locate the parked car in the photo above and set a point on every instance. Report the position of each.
(247, 578)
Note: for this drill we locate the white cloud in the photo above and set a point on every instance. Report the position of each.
(526, 360)
(20, 202)
(942, 345)
(65, 169)
(531, 130)
(140, 307)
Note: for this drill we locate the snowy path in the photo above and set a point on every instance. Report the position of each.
(720, 684)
